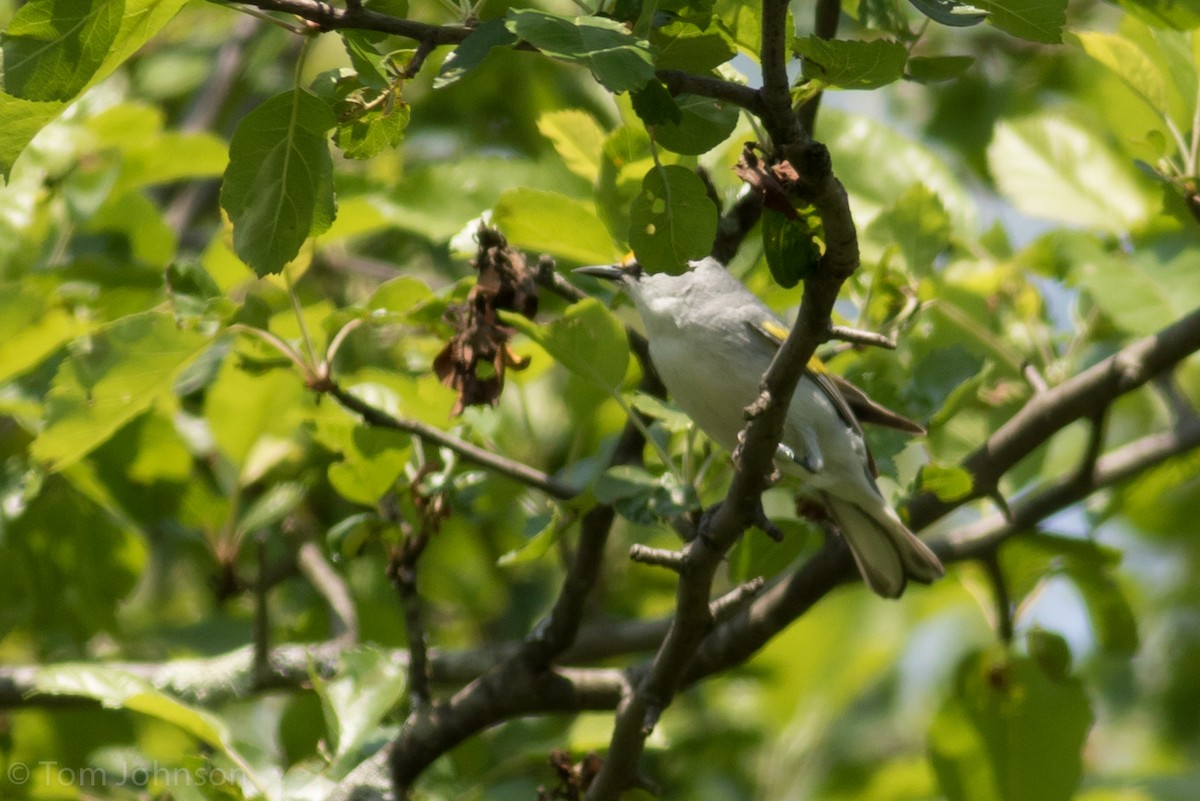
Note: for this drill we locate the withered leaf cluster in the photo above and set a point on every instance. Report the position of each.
(772, 181)
(478, 354)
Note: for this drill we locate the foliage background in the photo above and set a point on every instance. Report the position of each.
(173, 494)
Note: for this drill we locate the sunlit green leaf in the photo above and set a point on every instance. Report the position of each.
(1051, 167)
(548, 222)
(703, 124)
(125, 368)
(355, 702)
(473, 50)
(577, 138)
(587, 340)
(845, 64)
(52, 48)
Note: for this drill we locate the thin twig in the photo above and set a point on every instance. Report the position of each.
(859, 337)
(343, 617)
(1004, 609)
(658, 557)
(472, 453)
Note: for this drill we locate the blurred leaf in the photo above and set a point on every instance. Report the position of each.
(703, 124)
(373, 460)
(553, 223)
(878, 165)
(672, 220)
(950, 12)
(669, 417)
(369, 684)
(844, 64)
(1127, 60)
(31, 330)
(400, 294)
(125, 368)
(917, 222)
(1009, 732)
(643, 497)
(346, 538)
(577, 138)
(588, 340)
(546, 531)
(789, 247)
(276, 503)
(52, 48)
(933, 69)
(471, 52)
(278, 188)
(1051, 167)
(1164, 13)
(947, 482)
(119, 689)
(248, 413)
(1140, 291)
(1035, 20)
(618, 60)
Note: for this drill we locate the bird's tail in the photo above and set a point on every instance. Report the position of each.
(886, 552)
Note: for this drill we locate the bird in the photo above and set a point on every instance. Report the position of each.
(711, 340)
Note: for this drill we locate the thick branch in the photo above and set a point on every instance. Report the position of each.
(739, 638)
(1087, 394)
(679, 82)
(776, 90)
(472, 453)
(825, 26)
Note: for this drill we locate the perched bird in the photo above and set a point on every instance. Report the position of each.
(711, 340)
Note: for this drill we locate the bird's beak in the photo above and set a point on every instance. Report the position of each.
(609, 272)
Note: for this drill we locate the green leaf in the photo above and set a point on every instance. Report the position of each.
(471, 52)
(1175, 14)
(356, 702)
(588, 340)
(374, 130)
(399, 295)
(369, 63)
(877, 165)
(125, 368)
(278, 188)
(52, 48)
(21, 119)
(1035, 20)
(348, 536)
(553, 223)
(789, 247)
(655, 105)
(1010, 732)
(547, 529)
(1141, 290)
(1128, 61)
(934, 69)
(950, 12)
(373, 460)
(672, 220)
(251, 417)
(642, 497)
(620, 62)
(31, 329)
(918, 224)
(851, 64)
(276, 503)
(704, 123)
(577, 138)
(694, 51)
(118, 689)
(1051, 167)
(947, 482)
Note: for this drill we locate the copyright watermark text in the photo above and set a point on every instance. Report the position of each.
(51, 772)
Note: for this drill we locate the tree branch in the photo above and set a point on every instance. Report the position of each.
(1048, 412)
(330, 18)
(471, 453)
(782, 603)
(825, 25)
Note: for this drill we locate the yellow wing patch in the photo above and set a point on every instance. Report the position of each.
(775, 332)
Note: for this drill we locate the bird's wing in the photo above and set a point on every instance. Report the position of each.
(854, 405)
